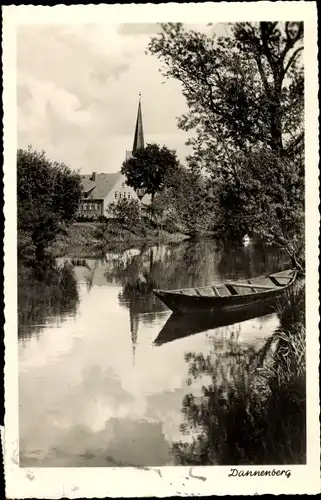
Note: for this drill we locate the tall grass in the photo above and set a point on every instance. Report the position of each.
(254, 407)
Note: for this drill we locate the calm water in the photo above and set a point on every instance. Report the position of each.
(94, 387)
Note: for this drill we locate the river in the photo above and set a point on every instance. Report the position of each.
(103, 374)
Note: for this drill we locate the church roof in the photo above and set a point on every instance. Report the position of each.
(139, 133)
(101, 186)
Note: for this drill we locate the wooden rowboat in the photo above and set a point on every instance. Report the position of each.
(228, 296)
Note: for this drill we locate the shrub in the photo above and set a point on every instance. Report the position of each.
(126, 211)
(48, 194)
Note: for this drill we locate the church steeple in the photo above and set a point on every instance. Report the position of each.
(139, 133)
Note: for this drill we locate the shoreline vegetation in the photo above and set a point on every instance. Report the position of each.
(89, 239)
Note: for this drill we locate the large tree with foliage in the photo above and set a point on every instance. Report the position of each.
(262, 194)
(242, 89)
(48, 194)
(192, 199)
(186, 201)
(148, 167)
(245, 98)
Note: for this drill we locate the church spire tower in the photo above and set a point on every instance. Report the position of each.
(139, 133)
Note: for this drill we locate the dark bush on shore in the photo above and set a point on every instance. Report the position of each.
(48, 195)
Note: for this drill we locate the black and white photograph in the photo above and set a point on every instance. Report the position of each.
(161, 181)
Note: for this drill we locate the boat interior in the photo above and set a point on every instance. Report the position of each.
(244, 287)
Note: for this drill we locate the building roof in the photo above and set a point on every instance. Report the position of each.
(87, 184)
(101, 186)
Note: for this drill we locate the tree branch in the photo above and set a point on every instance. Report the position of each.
(290, 41)
(291, 60)
(290, 150)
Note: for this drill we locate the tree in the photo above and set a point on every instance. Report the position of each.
(48, 194)
(245, 94)
(263, 195)
(189, 199)
(148, 167)
(125, 211)
(243, 89)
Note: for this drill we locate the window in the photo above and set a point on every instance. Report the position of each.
(116, 194)
(122, 184)
(128, 195)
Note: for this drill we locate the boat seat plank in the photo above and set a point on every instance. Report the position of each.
(231, 289)
(252, 285)
(207, 291)
(216, 292)
(283, 281)
(223, 291)
(276, 275)
(275, 281)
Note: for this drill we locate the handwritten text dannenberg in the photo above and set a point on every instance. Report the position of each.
(251, 473)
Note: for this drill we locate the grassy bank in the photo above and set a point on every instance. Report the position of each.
(253, 412)
(89, 238)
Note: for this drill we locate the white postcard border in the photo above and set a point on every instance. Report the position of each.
(163, 481)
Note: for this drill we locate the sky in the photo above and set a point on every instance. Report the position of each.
(77, 91)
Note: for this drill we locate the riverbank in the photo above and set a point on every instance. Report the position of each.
(85, 239)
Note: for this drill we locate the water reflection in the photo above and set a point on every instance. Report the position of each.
(182, 325)
(233, 417)
(46, 294)
(93, 389)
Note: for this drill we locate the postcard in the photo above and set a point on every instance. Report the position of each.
(161, 250)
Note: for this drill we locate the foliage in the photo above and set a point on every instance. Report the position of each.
(161, 210)
(195, 216)
(291, 308)
(48, 194)
(148, 168)
(242, 89)
(126, 211)
(262, 194)
(245, 94)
